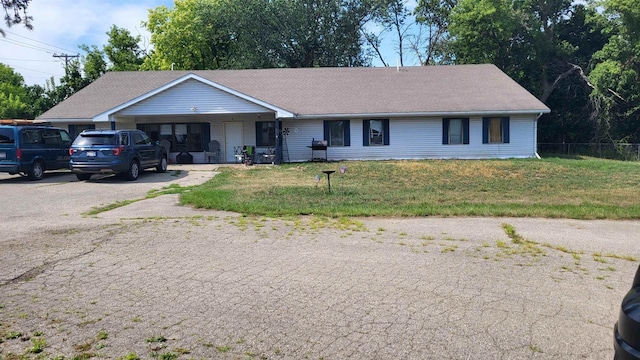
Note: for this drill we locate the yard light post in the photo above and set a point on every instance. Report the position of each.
(329, 172)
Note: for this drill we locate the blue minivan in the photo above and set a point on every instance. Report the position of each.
(29, 150)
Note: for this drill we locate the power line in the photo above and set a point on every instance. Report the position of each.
(43, 43)
(27, 60)
(38, 71)
(29, 46)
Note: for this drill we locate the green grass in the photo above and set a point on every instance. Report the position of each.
(554, 188)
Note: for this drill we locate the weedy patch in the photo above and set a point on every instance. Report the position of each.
(223, 348)
(13, 335)
(615, 256)
(129, 356)
(37, 345)
(159, 339)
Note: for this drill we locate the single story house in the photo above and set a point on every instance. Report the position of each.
(432, 112)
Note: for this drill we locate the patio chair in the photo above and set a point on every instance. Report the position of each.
(213, 151)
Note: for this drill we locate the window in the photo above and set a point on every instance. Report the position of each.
(51, 137)
(375, 132)
(31, 136)
(190, 136)
(265, 133)
(495, 130)
(337, 132)
(455, 131)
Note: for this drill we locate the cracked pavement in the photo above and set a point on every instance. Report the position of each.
(165, 281)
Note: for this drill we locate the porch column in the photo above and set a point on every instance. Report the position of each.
(278, 159)
(112, 120)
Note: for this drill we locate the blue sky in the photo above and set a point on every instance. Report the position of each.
(60, 26)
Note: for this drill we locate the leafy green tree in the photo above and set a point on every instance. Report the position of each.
(616, 77)
(123, 50)
(12, 93)
(213, 34)
(93, 62)
(190, 36)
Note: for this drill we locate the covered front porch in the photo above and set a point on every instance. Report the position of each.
(210, 138)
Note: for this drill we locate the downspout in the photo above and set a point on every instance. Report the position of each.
(278, 159)
(535, 135)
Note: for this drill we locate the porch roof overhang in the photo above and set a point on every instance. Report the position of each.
(107, 116)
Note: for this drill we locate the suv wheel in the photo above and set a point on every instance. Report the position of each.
(162, 166)
(83, 177)
(37, 171)
(134, 171)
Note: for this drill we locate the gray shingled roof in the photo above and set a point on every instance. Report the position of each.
(327, 91)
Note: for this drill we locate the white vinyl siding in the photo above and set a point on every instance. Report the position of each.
(414, 139)
(192, 97)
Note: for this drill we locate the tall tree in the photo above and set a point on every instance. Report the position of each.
(123, 50)
(431, 45)
(191, 36)
(394, 16)
(12, 93)
(15, 12)
(616, 77)
(212, 34)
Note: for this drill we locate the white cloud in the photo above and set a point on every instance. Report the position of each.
(60, 26)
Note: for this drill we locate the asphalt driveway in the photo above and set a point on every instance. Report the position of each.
(162, 281)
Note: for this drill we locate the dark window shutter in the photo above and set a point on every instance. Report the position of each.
(445, 131)
(505, 130)
(326, 132)
(140, 127)
(206, 135)
(465, 131)
(485, 130)
(366, 126)
(72, 131)
(347, 133)
(385, 130)
(258, 131)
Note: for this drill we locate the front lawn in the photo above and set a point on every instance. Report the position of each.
(555, 187)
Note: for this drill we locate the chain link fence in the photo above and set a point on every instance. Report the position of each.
(630, 152)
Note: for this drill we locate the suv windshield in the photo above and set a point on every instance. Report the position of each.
(95, 139)
(6, 136)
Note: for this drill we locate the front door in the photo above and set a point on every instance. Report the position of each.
(233, 139)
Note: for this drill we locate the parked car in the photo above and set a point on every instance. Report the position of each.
(29, 150)
(627, 329)
(125, 152)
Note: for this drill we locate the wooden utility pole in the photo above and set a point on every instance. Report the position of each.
(66, 58)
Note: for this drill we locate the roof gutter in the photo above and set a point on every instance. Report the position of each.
(423, 114)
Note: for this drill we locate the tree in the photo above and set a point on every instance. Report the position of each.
(15, 12)
(616, 77)
(214, 34)
(431, 44)
(123, 50)
(12, 93)
(190, 36)
(93, 62)
(393, 15)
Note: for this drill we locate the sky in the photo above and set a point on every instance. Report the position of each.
(60, 26)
